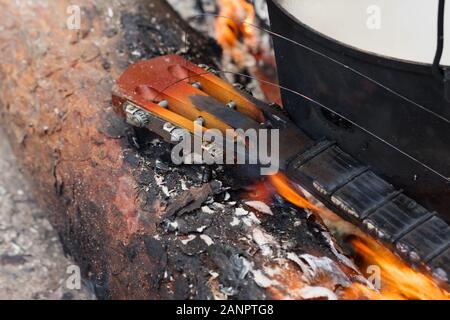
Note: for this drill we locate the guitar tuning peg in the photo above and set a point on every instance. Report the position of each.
(200, 121)
(136, 116)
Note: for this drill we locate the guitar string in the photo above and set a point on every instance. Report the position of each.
(442, 176)
(359, 73)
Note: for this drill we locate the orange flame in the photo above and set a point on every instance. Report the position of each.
(243, 43)
(260, 191)
(399, 281)
(287, 191)
(234, 25)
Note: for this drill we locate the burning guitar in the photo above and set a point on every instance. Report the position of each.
(181, 101)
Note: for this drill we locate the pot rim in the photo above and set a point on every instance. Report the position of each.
(352, 51)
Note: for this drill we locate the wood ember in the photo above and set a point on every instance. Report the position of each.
(256, 65)
(138, 226)
(192, 199)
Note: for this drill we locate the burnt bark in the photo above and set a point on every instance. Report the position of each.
(112, 193)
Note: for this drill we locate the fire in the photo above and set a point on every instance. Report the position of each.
(287, 191)
(260, 191)
(399, 281)
(289, 276)
(234, 31)
(245, 46)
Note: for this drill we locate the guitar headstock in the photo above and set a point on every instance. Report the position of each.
(181, 92)
(168, 94)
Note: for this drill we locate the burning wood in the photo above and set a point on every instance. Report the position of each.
(247, 48)
(398, 281)
(138, 226)
(315, 274)
(234, 30)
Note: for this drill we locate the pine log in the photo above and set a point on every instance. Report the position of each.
(137, 226)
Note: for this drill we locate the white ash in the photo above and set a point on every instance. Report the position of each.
(265, 241)
(155, 142)
(136, 53)
(235, 222)
(207, 239)
(183, 185)
(251, 219)
(172, 226)
(288, 245)
(218, 206)
(157, 237)
(314, 268)
(165, 190)
(240, 212)
(159, 179)
(201, 229)
(244, 265)
(208, 210)
(188, 239)
(259, 206)
(342, 258)
(309, 293)
(228, 291)
(262, 280)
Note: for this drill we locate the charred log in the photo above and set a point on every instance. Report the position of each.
(138, 226)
